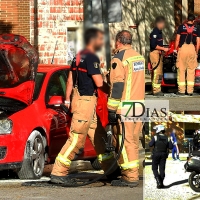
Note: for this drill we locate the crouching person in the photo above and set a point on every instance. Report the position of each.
(161, 144)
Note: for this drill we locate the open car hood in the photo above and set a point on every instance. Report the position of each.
(18, 67)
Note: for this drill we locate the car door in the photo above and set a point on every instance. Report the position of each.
(58, 137)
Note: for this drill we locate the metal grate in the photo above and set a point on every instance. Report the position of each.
(3, 151)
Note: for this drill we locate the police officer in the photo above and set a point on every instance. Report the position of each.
(84, 79)
(156, 59)
(187, 40)
(127, 80)
(161, 144)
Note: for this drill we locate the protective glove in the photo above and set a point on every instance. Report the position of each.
(112, 117)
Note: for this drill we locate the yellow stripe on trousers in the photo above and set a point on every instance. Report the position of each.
(124, 153)
(190, 83)
(63, 160)
(72, 146)
(126, 164)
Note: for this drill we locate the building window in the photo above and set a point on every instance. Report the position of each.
(71, 45)
(190, 129)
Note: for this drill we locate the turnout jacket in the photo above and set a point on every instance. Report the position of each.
(127, 78)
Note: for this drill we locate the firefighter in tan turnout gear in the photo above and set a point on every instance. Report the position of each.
(188, 42)
(84, 78)
(127, 78)
(155, 56)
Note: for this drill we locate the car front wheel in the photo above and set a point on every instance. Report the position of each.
(34, 157)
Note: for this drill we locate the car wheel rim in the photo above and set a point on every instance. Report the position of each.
(37, 156)
(196, 181)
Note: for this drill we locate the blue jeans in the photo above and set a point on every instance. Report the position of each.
(175, 155)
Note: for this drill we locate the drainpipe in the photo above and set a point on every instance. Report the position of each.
(36, 24)
(184, 9)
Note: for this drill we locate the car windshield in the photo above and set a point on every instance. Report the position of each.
(38, 84)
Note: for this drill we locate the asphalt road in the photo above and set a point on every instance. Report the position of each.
(14, 189)
(96, 191)
(176, 182)
(11, 188)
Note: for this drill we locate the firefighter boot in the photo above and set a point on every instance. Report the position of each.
(159, 182)
(65, 180)
(123, 183)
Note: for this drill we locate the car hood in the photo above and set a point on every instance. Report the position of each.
(18, 67)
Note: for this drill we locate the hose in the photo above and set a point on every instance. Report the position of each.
(113, 165)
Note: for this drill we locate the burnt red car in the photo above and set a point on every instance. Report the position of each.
(33, 125)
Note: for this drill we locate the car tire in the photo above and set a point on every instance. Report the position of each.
(194, 184)
(34, 157)
(95, 164)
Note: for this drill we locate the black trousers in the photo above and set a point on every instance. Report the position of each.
(159, 161)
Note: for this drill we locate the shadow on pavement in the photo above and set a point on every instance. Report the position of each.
(176, 183)
(8, 174)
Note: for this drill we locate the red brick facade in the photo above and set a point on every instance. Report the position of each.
(50, 19)
(15, 17)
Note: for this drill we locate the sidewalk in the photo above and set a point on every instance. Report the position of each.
(176, 182)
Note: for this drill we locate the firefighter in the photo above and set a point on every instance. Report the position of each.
(127, 80)
(161, 144)
(187, 40)
(155, 56)
(84, 79)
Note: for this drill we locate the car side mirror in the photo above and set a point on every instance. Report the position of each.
(55, 101)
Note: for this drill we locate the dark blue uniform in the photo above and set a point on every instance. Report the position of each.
(161, 145)
(187, 38)
(82, 75)
(156, 38)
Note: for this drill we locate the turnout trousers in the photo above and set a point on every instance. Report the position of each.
(186, 64)
(129, 159)
(156, 59)
(84, 122)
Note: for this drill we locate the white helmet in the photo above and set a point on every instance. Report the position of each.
(159, 128)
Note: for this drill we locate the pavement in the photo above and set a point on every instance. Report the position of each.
(176, 182)
(179, 103)
(176, 102)
(11, 188)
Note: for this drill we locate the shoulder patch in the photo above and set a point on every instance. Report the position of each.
(114, 65)
(96, 65)
(120, 55)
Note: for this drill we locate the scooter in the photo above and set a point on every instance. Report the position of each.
(193, 165)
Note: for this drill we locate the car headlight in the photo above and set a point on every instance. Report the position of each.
(5, 126)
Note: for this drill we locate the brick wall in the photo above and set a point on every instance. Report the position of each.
(15, 17)
(197, 7)
(51, 20)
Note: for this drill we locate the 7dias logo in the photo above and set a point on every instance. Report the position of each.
(145, 111)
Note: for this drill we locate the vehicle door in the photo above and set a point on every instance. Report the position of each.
(57, 87)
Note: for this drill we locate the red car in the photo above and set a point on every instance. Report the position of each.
(33, 126)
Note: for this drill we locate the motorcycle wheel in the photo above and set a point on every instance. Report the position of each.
(194, 181)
